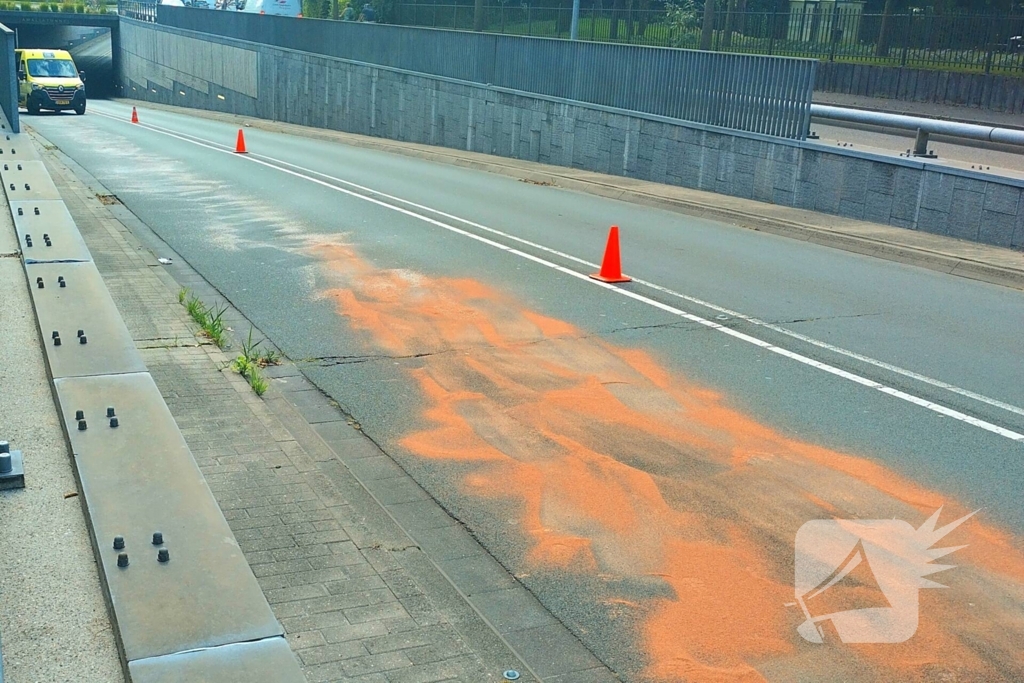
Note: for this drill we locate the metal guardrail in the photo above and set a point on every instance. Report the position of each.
(758, 94)
(924, 127)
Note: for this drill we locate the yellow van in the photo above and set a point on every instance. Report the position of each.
(48, 79)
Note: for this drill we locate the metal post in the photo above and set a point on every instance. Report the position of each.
(921, 145)
(575, 25)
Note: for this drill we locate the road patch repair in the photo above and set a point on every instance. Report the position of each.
(175, 579)
(677, 509)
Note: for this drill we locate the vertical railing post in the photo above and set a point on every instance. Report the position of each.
(771, 34)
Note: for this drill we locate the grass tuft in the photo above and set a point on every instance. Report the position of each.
(210, 320)
(249, 362)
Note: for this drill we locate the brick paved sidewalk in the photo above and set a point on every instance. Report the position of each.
(359, 601)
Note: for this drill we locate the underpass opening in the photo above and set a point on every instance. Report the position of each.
(90, 42)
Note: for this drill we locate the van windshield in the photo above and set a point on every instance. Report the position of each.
(51, 68)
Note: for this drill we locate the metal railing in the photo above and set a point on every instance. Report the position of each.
(142, 10)
(761, 94)
(834, 32)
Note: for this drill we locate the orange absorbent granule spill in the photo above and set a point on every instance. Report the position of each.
(622, 468)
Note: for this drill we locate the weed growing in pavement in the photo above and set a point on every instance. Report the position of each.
(250, 361)
(210, 320)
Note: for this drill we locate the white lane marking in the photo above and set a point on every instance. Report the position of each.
(863, 381)
(895, 369)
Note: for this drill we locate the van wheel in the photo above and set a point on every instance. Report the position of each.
(80, 108)
(33, 108)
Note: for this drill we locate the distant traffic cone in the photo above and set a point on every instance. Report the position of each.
(611, 266)
(240, 144)
(135, 116)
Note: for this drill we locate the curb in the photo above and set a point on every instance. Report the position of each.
(137, 474)
(709, 208)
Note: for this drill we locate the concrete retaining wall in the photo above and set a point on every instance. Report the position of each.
(162, 64)
(9, 78)
(984, 91)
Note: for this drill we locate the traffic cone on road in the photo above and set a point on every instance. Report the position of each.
(240, 143)
(135, 116)
(611, 266)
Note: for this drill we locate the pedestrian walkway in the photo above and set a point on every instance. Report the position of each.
(358, 598)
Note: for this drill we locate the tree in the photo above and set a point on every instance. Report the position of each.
(730, 19)
(707, 31)
(478, 15)
(884, 33)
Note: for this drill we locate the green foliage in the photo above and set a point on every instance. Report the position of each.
(210, 320)
(682, 17)
(249, 362)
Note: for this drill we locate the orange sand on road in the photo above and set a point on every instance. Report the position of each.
(624, 469)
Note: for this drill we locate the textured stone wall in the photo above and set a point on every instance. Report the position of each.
(327, 92)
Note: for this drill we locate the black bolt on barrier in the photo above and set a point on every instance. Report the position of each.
(114, 423)
(48, 243)
(60, 281)
(122, 560)
(28, 241)
(83, 339)
(21, 212)
(79, 414)
(158, 538)
(54, 334)
(118, 542)
(82, 426)
(36, 210)
(19, 167)
(12, 186)
(80, 333)
(163, 555)
(5, 167)
(27, 187)
(39, 282)
(110, 411)
(46, 235)
(56, 341)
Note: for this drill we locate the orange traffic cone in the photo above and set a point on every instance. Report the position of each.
(135, 116)
(240, 144)
(611, 266)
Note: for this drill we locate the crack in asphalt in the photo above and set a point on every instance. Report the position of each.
(330, 361)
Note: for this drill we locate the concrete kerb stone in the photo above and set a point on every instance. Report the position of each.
(946, 255)
(285, 664)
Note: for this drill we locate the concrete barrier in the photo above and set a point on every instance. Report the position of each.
(185, 68)
(174, 578)
(9, 79)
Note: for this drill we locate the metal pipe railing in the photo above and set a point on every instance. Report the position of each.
(924, 127)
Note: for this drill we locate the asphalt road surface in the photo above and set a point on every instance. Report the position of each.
(641, 456)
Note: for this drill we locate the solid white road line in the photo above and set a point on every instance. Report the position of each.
(281, 166)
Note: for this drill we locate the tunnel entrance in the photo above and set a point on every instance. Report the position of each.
(90, 47)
